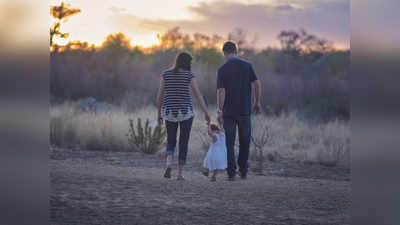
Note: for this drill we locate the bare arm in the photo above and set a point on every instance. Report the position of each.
(221, 98)
(220, 103)
(257, 91)
(199, 96)
(211, 134)
(160, 96)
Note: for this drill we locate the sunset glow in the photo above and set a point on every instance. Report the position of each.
(141, 21)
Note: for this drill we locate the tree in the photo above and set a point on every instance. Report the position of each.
(61, 13)
(117, 50)
(174, 39)
(79, 46)
(203, 41)
(290, 42)
(239, 37)
(295, 44)
(116, 44)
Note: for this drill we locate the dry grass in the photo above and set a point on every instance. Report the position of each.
(291, 137)
(288, 136)
(72, 128)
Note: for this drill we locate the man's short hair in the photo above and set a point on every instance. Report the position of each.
(229, 47)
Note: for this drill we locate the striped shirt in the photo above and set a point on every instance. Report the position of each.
(177, 103)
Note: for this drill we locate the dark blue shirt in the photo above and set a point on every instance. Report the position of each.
(236, 76)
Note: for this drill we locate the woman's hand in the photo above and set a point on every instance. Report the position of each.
(159, 119)
(160, 96)
(207, 118)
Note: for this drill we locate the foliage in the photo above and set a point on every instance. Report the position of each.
(145, 138)
(260, 137)
(284, 137)
(313, 84)
(295, 44)
(61, 13)
(174, 39)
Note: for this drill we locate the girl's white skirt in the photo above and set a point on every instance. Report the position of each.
(216, 157)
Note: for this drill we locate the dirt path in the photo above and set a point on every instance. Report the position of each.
(91, 192)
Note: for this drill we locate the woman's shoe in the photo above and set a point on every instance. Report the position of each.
(180, 178)
(213, 179)
(205, 173)
(167, 173)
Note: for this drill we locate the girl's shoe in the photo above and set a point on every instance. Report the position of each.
(167, 173)
(213, 179)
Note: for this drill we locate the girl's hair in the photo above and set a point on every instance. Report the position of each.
(214, 127)
(183, 61)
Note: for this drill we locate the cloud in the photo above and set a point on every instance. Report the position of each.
(117, 9)
(328, 19)
(284, 7)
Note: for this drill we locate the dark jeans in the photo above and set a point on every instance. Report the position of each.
(244, 125)
(184, 134)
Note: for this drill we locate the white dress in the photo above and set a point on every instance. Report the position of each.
(216, 155)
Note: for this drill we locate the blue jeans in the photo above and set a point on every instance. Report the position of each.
(244, 125)
(184, 134)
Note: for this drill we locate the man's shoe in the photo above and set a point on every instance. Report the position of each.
(231, 178)
(243, 175)
(167, 173)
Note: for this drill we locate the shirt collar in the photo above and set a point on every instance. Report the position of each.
(234, 57)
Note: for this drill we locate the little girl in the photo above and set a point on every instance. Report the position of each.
(216, 156)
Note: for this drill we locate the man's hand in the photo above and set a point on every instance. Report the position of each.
(257, 108)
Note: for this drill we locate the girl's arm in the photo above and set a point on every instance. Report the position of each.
(160, 96)
(221, 128)
(211, 134)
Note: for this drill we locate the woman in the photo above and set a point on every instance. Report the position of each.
(175, 106)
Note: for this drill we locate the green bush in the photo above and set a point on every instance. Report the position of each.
(145, 139)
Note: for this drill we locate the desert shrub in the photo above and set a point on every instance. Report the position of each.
(56, 128)
(289, 136)
(72, 128)
(62, 133)
(145, 139)
(260, 137)
(275, 138)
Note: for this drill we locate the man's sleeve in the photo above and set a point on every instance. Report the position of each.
(220, 82)
(253, 75)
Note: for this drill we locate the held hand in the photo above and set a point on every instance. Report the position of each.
(159, 120)
(220, 119)
(257, 108)
(207, 118)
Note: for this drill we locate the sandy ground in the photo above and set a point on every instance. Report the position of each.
(128, 188)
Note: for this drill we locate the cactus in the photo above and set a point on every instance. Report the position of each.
(146, 139)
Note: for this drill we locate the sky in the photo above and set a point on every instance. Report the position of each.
(142, 20)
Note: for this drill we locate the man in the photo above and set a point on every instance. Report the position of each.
(235, 80)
